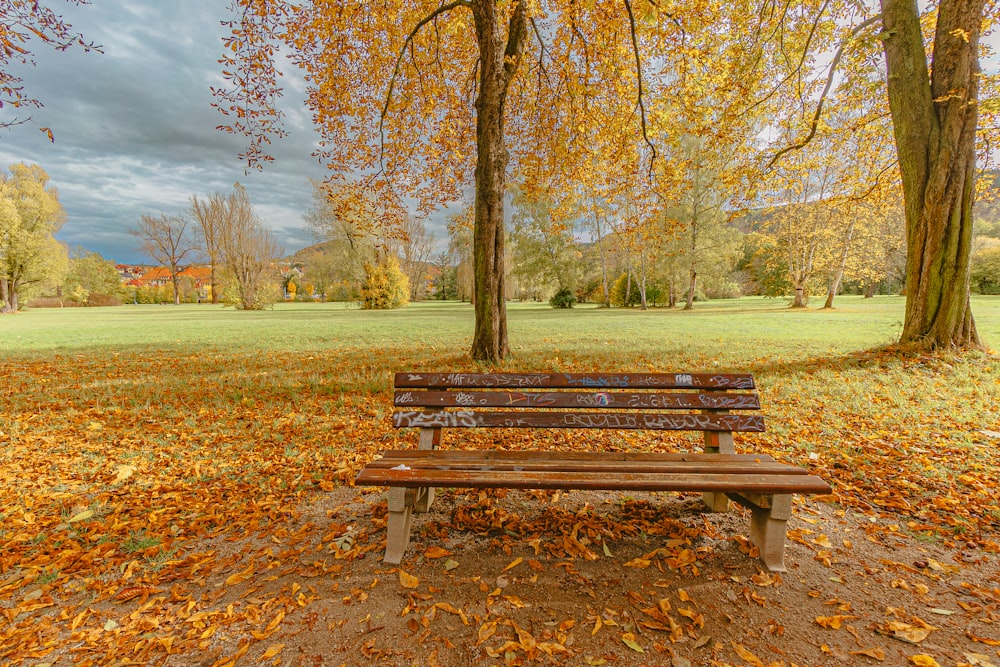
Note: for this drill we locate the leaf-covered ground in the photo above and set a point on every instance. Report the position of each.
(197, 509)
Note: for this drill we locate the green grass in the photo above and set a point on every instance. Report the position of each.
(439, 327)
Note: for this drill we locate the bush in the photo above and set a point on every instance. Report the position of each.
(986, 271)
(385, 286)
(564, 298)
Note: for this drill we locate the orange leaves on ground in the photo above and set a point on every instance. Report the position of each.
(407, 580)
(833, 622)
(433, 552)
(874, 652)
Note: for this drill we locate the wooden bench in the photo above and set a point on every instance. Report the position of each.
(717, 404)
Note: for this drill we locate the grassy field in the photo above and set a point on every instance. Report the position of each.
(710, 330)
(127, 434)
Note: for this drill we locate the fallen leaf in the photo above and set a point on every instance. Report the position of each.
(407, 580)
(629, 640)
(747, 655)
(517, 561)
(876, 653)
(272, 651)
(431, 553)
(922, 660)
(833, 622)
(82, 516)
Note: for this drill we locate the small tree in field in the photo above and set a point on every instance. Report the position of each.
(167, 240)
(385, 286)
(247, 249)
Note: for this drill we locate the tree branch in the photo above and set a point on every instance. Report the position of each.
(638, 74)
(443, 9)
(826, 90)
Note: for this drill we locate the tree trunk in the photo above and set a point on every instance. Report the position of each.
(870, 288)
(4, 296)
(934, 120)
(642, 290)
(838, 274)
(497, 66)
(834, 287)
(692, 286)
(604, 261)
(801, 299)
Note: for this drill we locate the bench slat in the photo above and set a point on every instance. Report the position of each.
(563, 455)
(581, 465)
(520, 399)
(576, 380)
(626, 481)
(614, 420)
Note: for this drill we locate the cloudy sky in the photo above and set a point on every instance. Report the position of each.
(135, 132)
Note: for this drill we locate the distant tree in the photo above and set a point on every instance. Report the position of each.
(460, 249)
(92, 280)
(385, 286)
(167, 240)
(211, 214)
(986, 270)
(248, 250)
(346, 227)
(30, 213)
(21, 23)
(414, 248)
(544, 254)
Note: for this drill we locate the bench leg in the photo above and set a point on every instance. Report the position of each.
(715, 502)
(397, 533)
(425, 497)
(717, 442)
(767, 530)
(430, 438)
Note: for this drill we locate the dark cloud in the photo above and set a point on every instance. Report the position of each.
(135, 131)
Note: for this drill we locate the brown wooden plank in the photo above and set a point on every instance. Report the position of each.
(575, 399)
(563, 455)
(742, 483)
(582, 465)
(611, 420)
(416, 380)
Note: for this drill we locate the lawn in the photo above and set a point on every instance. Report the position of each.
(137, 442)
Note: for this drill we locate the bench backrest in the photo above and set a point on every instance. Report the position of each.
(716, 403)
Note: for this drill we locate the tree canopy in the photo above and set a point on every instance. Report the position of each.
(582, 100)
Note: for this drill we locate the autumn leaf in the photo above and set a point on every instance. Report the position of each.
(833, 622)
(629, 639)
(747, 655)
(272, 651)
(433, 552)
(513, 564)
(240, 577)
(922, 660)
(407, 580)
(875, 652)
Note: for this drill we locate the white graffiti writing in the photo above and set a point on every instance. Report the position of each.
(459, 418)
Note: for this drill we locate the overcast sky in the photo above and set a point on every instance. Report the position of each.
(135, 132)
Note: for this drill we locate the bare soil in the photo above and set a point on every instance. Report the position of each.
(598, 578)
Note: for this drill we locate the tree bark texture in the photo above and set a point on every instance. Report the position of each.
(497, 66)
(934, 118)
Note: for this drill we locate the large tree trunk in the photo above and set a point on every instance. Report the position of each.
(4, 296)
(497, 66)
(934, 119)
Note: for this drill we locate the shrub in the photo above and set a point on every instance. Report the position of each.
(986, 271)
(385, 286)
(564, 298)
